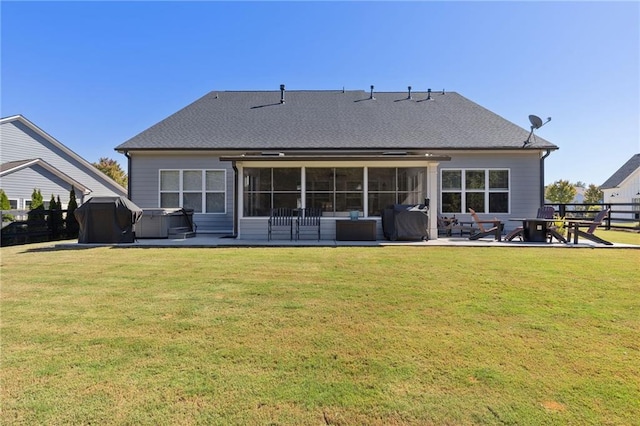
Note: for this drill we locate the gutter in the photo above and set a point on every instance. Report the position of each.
(126, 154)
(542, 176)
(235, 199)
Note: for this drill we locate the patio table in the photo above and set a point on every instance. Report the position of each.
(535, 229)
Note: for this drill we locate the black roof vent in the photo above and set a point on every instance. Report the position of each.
(409, 95)
(282, 93)
(429, 95)
(371, 95)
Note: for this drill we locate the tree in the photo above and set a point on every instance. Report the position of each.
(36, 199)
(593, 195)
(112, 169)
(36, 216)
(70, 221)
(561, 192)
(580, 184)
(5, 204)
(55, 216)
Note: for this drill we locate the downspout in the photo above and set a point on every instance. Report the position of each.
(235, 199)
(126, 154)
(542, 176)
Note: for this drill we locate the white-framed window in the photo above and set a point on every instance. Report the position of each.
(483, 190)
(14, 203)
(204, 191)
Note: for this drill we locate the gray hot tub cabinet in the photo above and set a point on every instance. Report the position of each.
(162, 223)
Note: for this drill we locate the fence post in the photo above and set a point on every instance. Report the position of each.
(563, 210)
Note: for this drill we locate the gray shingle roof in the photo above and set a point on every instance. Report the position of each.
(622, 173)
(10, 165)
(332, 120)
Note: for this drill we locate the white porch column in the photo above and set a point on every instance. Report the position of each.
(432, 194)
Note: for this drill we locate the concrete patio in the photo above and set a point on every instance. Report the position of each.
(218, 240)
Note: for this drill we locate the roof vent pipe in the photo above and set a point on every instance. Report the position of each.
(429, 94)
(443, 91)
(371, 95)
(409, 95)
(282, 93)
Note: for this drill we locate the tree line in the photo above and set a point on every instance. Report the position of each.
(564, 192)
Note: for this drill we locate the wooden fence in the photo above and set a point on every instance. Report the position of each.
(621, 215)
(37, 225)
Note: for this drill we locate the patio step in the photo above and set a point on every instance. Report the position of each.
(181, 232)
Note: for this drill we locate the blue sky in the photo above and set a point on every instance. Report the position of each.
(94, 74)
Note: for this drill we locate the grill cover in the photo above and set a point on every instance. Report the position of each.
(107, 220)
(405, 222)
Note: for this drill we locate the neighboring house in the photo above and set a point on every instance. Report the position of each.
(624, 186)
(232, 156)
(32, 159)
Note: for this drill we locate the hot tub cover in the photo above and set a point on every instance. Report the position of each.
(107, 220)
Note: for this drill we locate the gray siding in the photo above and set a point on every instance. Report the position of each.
(524, 170)
(524, 173)
(145, 184)
(20, 142)
(23, 182)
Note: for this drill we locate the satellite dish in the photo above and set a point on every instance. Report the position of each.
(536, 122)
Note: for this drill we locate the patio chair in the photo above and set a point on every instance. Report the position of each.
(308, 218)
(495, 230)
(574, 228)
(448, 226)
(445, 225)
(281, 219)
(545, 212)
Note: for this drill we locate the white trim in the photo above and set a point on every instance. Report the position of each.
(203, 191)
(486, 191)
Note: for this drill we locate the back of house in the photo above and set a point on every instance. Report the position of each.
(233, 156)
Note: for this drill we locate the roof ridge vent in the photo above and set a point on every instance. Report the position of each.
(282, 93)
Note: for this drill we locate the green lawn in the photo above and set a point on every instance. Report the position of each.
(622, 237)
(344, 336)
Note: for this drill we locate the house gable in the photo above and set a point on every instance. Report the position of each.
(41, 167)
(623, 173)
(26, 145)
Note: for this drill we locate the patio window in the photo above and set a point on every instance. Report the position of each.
(204, 191)
(267, 188)
(394, 185)
(484, 190)
(336, 190)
